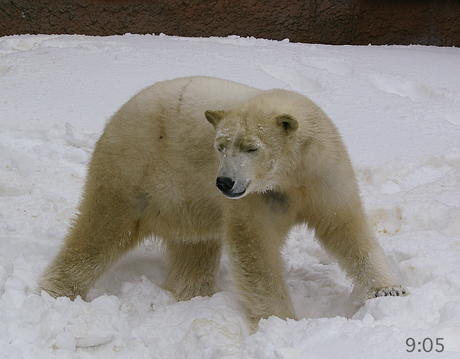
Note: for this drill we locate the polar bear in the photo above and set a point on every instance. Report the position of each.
(206, 164)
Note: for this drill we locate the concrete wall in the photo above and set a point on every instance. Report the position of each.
(427, 22)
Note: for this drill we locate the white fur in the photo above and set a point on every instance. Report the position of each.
(154, 170)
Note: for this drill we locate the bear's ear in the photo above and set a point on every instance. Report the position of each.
(288, 123)
(214, 117)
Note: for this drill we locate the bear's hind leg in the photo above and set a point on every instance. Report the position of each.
(103, 231)
(193, 268)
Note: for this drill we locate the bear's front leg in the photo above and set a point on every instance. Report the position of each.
(193, 267)
(255, 254)
(349, 238)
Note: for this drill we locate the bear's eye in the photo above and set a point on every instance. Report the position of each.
(252, 149)
(220, 148)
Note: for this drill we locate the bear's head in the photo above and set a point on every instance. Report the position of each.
(251, 143)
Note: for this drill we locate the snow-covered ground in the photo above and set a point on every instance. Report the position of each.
(398, 109)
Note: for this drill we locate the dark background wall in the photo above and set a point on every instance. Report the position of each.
(429, 22)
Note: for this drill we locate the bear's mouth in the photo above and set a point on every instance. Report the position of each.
(235, 195)
(230, 188)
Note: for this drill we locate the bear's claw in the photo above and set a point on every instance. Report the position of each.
(398, 291)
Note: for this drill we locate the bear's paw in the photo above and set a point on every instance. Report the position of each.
(394, 291)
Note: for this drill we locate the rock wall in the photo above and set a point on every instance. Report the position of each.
(358, 22)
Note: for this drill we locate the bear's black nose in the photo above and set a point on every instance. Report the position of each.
(225, 184)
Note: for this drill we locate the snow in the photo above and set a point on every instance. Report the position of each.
(398, 109)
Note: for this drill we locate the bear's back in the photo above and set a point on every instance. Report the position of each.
(197, 94)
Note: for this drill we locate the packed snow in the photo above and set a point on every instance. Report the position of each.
(398, 109)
